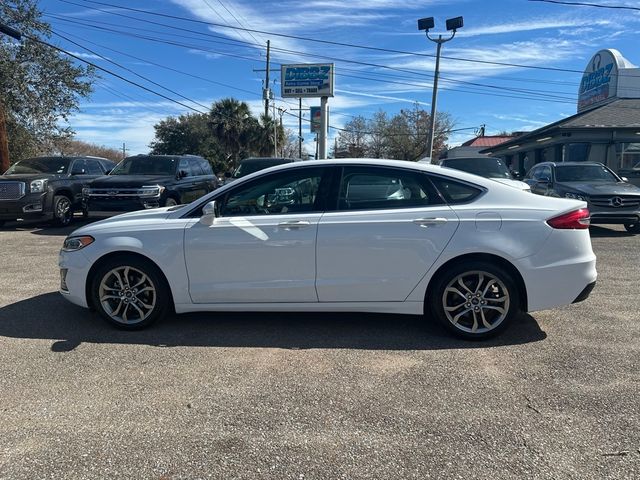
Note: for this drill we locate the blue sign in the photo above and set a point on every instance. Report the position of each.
(307, 80)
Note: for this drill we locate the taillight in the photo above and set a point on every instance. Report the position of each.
(578, 220)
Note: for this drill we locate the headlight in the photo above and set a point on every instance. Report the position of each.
(151, 191)
(37, 186)
(71, 244)
(575, 196)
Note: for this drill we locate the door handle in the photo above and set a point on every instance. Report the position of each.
(291, 224)
(428, 222)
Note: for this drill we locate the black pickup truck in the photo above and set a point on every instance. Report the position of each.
(48, 188)
(149, 181)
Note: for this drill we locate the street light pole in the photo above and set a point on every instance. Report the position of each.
(426, 24)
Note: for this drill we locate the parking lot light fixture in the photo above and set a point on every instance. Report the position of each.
(426, 24)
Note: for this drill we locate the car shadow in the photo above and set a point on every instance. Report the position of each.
(49, 316)
(604, 232)
(46, 228)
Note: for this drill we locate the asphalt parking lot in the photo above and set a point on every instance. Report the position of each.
(322, 396)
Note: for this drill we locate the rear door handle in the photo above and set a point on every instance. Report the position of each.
(428, 222)
(291, 224)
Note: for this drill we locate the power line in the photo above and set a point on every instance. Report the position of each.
(327, 42)
(586, 4)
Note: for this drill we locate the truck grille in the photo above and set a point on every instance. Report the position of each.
(616, 201)
(11, 190)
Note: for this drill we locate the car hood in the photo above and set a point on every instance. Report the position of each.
(603, 188)
(129, 181)
(513, 183)
(139, 218)
(27, 177)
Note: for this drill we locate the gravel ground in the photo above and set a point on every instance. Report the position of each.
(292, 396)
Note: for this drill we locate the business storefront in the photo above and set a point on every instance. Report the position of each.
(606, 128)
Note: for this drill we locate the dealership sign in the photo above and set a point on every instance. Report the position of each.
(608, 76)
(307, 80)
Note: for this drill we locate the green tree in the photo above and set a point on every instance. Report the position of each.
(39, 87)
(234, 127)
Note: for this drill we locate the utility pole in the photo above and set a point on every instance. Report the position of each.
(265, 91)
(324, 127)
(427, 24)
(124, 150)
(300, 127)
(4, 141)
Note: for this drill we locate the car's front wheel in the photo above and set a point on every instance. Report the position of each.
(170, 202)
(632, 227)
(130, 292)
(475, 299)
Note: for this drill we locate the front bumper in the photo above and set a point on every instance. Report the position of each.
(31, 206)
(74, 268)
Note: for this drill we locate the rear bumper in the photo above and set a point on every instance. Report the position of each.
(584, 294)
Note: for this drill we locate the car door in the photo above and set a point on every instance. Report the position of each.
(261, 248)
(389, 228)
(186, 184)
(83, 171)
(199, 185)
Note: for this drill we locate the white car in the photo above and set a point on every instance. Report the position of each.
(354, 235)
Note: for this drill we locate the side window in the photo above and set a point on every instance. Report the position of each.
(279, 193)
(206, 167)
(79, 167)
(196, 167)
(532, 174)
(93, 167)
(545, 172)
(183, 168)
(454, 191)
(374, 188)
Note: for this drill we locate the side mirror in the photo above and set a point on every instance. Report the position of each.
(181, 174)
(209, 213)
(624, 179)
(108, 171)
(78, 171)
(546, 180)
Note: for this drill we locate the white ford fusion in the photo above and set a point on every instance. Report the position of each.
(346, 235)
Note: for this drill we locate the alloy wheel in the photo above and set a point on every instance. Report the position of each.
(476, 302)
(127, 295)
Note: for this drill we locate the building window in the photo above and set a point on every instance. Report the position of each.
(628, 155)
(577, 152)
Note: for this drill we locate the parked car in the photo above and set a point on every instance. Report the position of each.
(610, 199)
(150, 181)
(354, 235)
(48, 188)
(253, 164)
(488, 167)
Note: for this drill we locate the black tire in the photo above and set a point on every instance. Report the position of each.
(490, 300)
(62, 210)
(122, 305)
(632, 227)
(170, 202)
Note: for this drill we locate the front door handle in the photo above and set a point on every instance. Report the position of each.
(291, 224)
(428, 222)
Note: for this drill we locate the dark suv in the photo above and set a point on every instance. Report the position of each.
(48, 188)
(610, 199)
(150, 181)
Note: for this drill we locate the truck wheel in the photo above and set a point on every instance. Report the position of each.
(62, 210)
(170, 202)
(632, 227)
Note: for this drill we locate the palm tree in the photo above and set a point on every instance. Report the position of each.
(232, 124)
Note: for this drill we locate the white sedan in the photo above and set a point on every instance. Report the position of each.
(354, 235)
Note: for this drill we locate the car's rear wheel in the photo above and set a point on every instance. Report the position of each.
(475, 300)
(62, 210)
(130, 292)
(632, 227)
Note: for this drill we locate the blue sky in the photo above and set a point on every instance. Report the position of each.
(222, 62)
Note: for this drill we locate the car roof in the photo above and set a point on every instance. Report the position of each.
(479, 157)
(569, 164)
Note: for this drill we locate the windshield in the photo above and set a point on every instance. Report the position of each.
(584, 173)
(485, 167)
(146, 166)
(51, 165)
(251, 166)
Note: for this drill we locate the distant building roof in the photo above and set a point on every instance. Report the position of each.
(487, 141)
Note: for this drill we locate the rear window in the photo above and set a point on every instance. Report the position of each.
(146, 165)
(454, 191)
